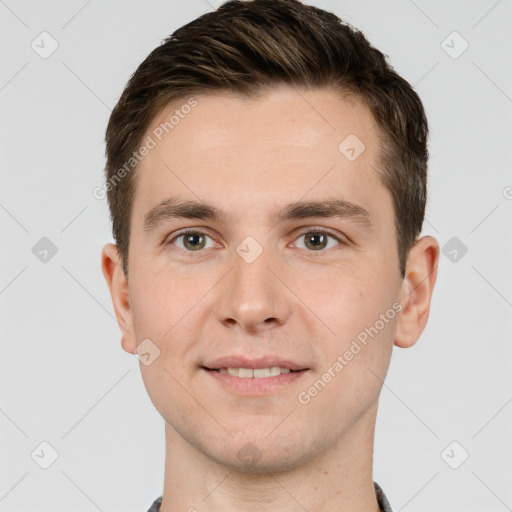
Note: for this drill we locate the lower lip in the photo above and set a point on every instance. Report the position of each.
(253, 385)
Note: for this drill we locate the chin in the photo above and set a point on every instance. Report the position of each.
(276, 463)
(259, 454)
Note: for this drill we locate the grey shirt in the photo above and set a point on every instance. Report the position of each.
(381, 498)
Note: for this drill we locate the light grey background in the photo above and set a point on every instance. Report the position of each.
(64, 376)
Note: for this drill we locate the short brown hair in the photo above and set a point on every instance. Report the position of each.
(248, 47)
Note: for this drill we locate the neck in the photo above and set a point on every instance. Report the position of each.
(337, 479)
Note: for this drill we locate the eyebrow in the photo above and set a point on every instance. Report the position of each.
(174, 208)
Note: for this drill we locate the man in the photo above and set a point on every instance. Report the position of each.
(266, 177)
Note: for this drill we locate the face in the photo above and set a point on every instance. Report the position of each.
(262, 276)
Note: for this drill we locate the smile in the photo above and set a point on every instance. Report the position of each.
(254, 382)
(258, 373)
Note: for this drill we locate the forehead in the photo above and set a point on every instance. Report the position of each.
(281, 117)
(265, 150)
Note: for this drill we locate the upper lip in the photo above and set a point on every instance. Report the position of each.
(256, 362)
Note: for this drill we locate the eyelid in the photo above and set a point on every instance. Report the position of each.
(342, 239)
(339, 237)
(168, 240)
(318, 229)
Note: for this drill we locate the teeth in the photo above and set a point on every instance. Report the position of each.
(258, 373)
(244, 372)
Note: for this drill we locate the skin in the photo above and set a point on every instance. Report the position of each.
(249, 157)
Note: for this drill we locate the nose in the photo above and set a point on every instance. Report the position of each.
(251, 296)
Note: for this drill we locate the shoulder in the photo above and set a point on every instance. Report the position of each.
(381, 499)
(155, 507)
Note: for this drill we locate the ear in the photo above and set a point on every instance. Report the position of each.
(416, 292)
(119, 291)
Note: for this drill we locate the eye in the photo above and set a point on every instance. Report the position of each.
(317, 240)
(193, 241)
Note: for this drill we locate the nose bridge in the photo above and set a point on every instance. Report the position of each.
(251, 295)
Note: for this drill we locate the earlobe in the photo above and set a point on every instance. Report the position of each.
(119, 291)
(416, 293)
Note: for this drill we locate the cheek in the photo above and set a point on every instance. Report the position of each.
(356, 359)
(161, 300)
(362, 310)
(161, 307)
(353, 298)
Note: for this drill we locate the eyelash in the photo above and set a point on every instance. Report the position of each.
(314, 230)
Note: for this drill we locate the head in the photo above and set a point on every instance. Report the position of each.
(238, 50)
(245, 111)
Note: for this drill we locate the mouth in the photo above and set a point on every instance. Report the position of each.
(255, 382)
(257, 373)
